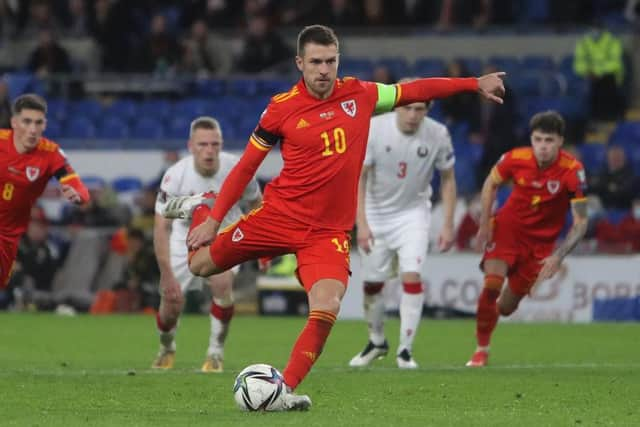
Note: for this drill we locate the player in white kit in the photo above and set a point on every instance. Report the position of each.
(393, 218)
(204, 170)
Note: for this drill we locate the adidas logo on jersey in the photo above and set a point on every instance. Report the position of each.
(302, 123)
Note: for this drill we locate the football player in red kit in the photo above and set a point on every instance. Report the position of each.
(27, 162)
(519, 241)
(322, 126)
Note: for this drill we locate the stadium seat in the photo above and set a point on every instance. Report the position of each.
(538, 63)
(124, 108)
(126, 183)
(526, 85)
(399, 67)
(502, 195)
(210, 87)
(57, 109)
(192, 107)
(79, 127)
(178, 127)
(474, 66)
(429, 67)
(113, 127)
(157, 108)
(54, 129)
(94, 181)
(533, 11)
(615, 216)
(271, 87)
(356, 67)
(148, 128)
(86, 107)
(593, 156)
(510, 64)
(243, 87)
(626, 133)
(465, 178)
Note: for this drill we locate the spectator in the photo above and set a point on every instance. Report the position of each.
(468, 228)
(160, 51)
(138, 287)
(146, 204)
(382, 74)
(204, 54)
(464, 13)
(463, 107)
(49, 57)
(36, 264)
(40, 17)
(615, 184)
(8, 19)
(411, 12)
(374, 12)
(216, 13)
(263, 48)
(111, 25)
(623, 236)
(5, 105)
(77, 24)
(497, 130)
(343, 13)
(599, 58)
(102, 210)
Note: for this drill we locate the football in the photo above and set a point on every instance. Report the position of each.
(259, 387)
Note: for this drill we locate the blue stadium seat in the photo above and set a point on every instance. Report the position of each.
(593, 156)
(273, 87)
(18, 83)
(126, 183)
(57, 109)
(502, 195)
(80, 127)
(93, 181)
(158, 108)
(474, 66)
(615, 216)
(54, 129)
(243, 87)
(113, 127)
(510, 64)
(465, 178)
(526, 85)
(429, 67)
(356, 67)
(86, 107)
(626, 132)
(566, 66)
(538, 63)
(399, 67)
(124, 108)
(533, 11)
(148, 128)
(192, 107)
(210, 87)
(178, 127)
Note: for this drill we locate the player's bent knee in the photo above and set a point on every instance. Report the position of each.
(507, 309)
(200, 264)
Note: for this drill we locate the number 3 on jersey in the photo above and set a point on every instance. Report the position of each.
(339, 142)
(7, 191)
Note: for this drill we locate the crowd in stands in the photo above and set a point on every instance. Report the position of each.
(165, 37)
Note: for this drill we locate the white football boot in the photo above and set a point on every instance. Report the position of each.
(295, 402)
(405, 360)
(182, 207)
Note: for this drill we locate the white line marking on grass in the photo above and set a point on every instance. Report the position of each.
(340, 369)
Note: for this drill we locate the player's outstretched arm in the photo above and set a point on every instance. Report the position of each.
(487, 198)
(448, 194)
(552, 264)
(490, 86)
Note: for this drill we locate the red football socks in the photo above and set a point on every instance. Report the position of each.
(162, 326)
(224, 314)
(487, 316)
(308, 346)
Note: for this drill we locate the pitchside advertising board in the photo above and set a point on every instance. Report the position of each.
(453, 282)
(584, 282)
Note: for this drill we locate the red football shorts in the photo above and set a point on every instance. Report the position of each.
(522, 254)
(266, 232)
(8, 251)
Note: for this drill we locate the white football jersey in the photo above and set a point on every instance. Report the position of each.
(402, 165)
(181, 179)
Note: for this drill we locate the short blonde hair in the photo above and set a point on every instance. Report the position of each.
(204, 122)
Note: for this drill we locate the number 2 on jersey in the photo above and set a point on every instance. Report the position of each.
(339, 142)
(7, 191)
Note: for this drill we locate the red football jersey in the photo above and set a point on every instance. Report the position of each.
(323, 144)
(23, 178)
(540, 198)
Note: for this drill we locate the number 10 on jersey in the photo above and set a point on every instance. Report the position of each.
(339, 143)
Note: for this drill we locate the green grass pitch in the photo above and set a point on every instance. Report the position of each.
(94, 371)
